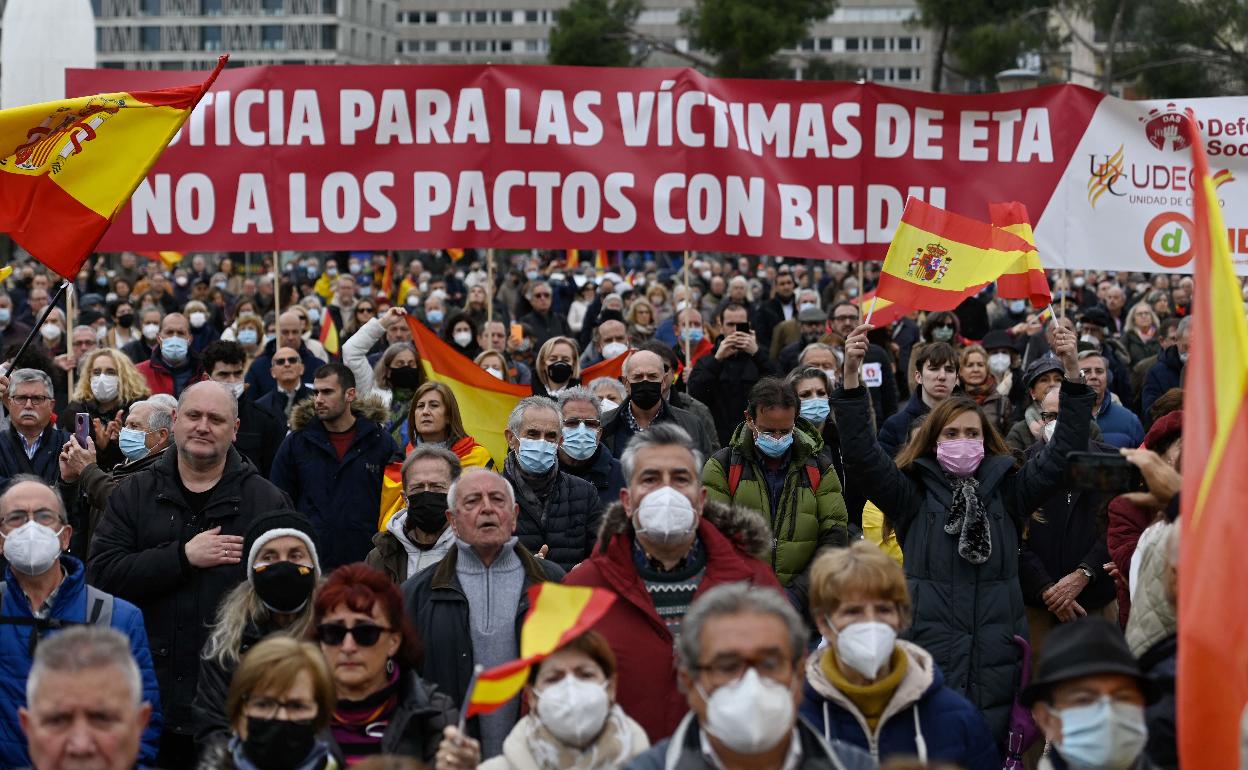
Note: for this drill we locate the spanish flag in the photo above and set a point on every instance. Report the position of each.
(613, 368)
(574, 258)
(1213, 573)
(1025, 278)
(387, 277)
(557, 615)
(883, 312)
(602, 260)
(70, 166)
(167, 258)
(938, 258)
(329, 333)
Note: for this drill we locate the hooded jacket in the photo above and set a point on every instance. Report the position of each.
(1119, 424)
(342, 498)
(802, 519)
(922, 711)
(737, 543)
(564, 517)
(965, 614)
(396, 555)
(138, 553)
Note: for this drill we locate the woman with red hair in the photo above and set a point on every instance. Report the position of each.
(373, 653)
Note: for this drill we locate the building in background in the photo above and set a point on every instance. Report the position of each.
(191, 34)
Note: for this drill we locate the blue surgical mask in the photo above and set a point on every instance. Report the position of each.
(133, 443)
(536, 456)
(580, 442)
(815, 410)
(248, 337)
(1018, 306)
(942, 333)
(174, 349)
(693, 334)
(6, 315)
(773, 447)
(1105, 734)
(435, 316)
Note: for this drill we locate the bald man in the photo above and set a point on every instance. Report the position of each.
(172, 366)
(171, 541)
(649, 382)
(260, 380)
(287, 373)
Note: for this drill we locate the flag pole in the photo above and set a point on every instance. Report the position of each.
(862, 283)
(1065, 280)
(871, 310)
(472, 685)
(69, 340)
(489, 286)
(688, 304)
(35, 329)
(277, 287)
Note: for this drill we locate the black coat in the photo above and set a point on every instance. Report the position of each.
(438, 607)
(260, 433)
(895, 431)
(208, 708)
(616, 432)
(603, 471)
(966, 615)
(415, 727)
(724, 386)
(46, 462)
(565, 518)
(1160, 665)
(259, 377)
(139, 554)
(546, 326)
(275, 401)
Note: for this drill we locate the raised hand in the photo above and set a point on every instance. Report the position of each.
(855, 353)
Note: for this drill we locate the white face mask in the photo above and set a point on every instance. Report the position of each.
(151, 330)
(865, 647)
(236, 388)
(665, 516)
(1049, 429)
(999, 363)
(574, 710)
(463, 339)
(198, 319)
(32, 548)
(497, 373)
(613, 349)
(50, 332)
(608, 406)
(105, 387)
(750, 715)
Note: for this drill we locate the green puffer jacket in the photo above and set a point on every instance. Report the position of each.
(803, 520)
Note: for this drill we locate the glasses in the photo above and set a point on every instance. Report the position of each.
(839, 318)
(32, 400)
(729, 668)
(572, 422)
(365, 634)
(541, 295)
(268, 708)
(777, 434)
(285, 361)
(1048, 416)
(427, 486)
(14, 519)
(359, 310)
(650, 377)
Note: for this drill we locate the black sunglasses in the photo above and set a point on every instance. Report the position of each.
(365, 634)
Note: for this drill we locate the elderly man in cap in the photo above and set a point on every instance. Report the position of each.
(1088, 699)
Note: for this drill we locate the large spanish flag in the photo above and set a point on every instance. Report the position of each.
(613, 368)
(1213, 571)
(70, 166)
(1025, 279)
(557, 615)
(938, 258)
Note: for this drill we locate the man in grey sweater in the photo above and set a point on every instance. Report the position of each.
(480, 586)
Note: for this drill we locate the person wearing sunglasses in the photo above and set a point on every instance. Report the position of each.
(287, 369)
(278, 707)
(282, 570)
(582, 453)
(372, 650)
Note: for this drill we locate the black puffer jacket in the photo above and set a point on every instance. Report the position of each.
(208, 709)
(724, 386)
(562, 513)
(138, 553)
(965, 615)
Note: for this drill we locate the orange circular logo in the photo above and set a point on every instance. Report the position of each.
(1168, 239)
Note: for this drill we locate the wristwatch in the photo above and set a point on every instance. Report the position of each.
(1086, 572)
(1082, 379)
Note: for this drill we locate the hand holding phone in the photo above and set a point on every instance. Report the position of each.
(82, 428)
(1099, 472)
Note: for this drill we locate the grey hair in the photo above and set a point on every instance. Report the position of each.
(164, 399)
(657, 435)
(221, 385)
(1083, 354)
(736, 599)
(528, 293)
(580, 394)
(1185, 324)
(23, 478)
(162, 413)
(22, 376)
(532, 402)
(82, 648)
(811, 293)
(470, 472)
(815, 346)
(431, 452)
(611, 382)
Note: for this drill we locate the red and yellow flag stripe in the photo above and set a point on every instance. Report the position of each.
(1025, 279)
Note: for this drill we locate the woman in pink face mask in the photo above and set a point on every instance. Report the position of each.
(958, 501)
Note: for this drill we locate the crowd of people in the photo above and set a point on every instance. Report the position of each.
(833, 544)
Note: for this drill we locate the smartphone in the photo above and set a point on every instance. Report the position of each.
(517, 333)
(1097, 472)
(744, 327)
(82, 428)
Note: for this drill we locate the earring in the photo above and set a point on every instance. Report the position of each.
(389, 666)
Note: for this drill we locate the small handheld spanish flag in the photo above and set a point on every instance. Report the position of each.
(558, 615)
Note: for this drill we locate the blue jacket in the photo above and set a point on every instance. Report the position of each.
(953, 730)
(1167, 373)
(895, 431)
(342, 498)
(603, 471)
(1119, 425)
(259, 377)
(68, 605)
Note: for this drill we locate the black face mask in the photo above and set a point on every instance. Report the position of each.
(284, 586)
(278, 744)
(426, 511)
(406, 378)
(559, 372)
(125, 320)
(645, 394)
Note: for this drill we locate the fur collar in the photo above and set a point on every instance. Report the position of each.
(370, 407)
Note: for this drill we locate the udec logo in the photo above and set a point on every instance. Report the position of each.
(1168, 239)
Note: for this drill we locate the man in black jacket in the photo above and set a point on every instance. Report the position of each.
(32, 444)
(649, 383)
(781, 307)
(543, 321)
(559, 513)
(260, 431)
(723, 379)
(171, 541)
(582, 453)
(488, 569)
(877, 370)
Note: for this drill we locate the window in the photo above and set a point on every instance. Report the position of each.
(431, 17)
(879, 44)
(532, 46)
(210, 38)
(329, 6)
(481, 17)
(456, 17)
(457, 46)
(504, 17)
(879, 74)
(808, 45)
(825, 44)
(504, 46)
(150, 7)
(481, 46)
(905, 43)
(851, 43)
(531, 17)
(329, 37)
(149, 38)
(272, 37)
(272, 7)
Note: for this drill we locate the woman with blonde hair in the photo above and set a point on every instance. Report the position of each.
(981, 384)
(1140, 332)
(279, 703)
(108, 383)
(557, 367)
(493, 362)
(434, 418)
(641, 321)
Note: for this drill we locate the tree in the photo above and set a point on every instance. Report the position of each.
(745, 35)
(595, 33)
(976, 39)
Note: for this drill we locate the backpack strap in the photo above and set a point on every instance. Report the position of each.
(99, 607)
(816, 466)
(738, 469)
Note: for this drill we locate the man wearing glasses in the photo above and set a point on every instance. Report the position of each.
(287, 369)
(32, 444)
(544, 323)
(260, 380)
(877, 367)
(44, 590)
(582, 454)
(420, 534)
